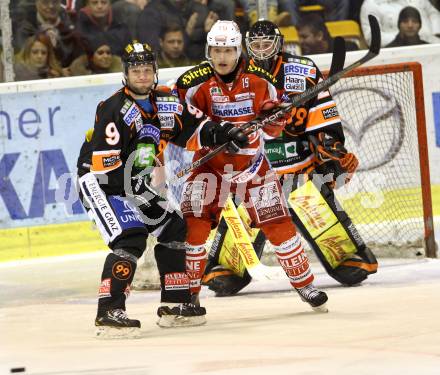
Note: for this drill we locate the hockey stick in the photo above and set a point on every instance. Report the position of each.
(338, 60)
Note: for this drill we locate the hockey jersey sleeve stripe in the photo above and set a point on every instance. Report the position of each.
(327, 104)
(323, 125)
(295, 167)
(105, 161)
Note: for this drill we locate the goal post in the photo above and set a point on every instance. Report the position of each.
(383, 115)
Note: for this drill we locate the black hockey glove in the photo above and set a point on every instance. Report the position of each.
(225, 132)
(333, 157)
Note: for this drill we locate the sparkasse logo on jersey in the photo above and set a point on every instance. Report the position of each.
(234, 109)
(304, 70)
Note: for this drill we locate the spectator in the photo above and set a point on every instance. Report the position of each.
(387, 13)
(98, 60)
(200, 17)
(314, 37)
(409, 25)
(49, 17)
(127, 11)
(285, 12)
(172, 48)
(194, 16)
(155, 16)
(37, 60)
(96, 18)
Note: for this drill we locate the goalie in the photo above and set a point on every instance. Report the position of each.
(311, 146)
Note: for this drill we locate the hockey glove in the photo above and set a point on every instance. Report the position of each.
(225, 132)
(275, 128)
(333, 157)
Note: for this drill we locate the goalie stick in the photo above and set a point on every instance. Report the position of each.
(336, 73)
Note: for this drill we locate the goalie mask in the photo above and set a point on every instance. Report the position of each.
(263, 41)
(137, 54)
(224, 34)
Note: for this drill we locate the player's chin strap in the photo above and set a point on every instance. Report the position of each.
(336, 73)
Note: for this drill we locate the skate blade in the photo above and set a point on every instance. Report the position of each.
(109, 333)
(172, 321)
(321, 309)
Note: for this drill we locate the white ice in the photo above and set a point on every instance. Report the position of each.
(389, 325)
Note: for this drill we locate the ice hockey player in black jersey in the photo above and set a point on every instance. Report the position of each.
(311, 145)
(131, 129)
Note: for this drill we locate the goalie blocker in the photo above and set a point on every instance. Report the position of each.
(323, 224)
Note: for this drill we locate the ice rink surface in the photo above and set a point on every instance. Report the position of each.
(390, 325)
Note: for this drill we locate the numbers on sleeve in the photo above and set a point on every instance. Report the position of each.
(112, 134)
(299, 114)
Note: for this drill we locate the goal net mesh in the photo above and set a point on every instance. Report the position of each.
(384, 199)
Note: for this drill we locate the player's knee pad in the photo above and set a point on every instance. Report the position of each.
(172, 270)
(115, 216)
(279, 231)
(198, 230)
(117, 276)
(174, 230)
(134, 244)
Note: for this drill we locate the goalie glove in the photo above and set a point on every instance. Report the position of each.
(333, 157)
(273, 129)
(225, 132)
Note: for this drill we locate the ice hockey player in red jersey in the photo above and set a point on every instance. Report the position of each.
(227, 88)
(114, 167)
(311, 142)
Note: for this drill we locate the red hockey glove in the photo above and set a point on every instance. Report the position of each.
(274, 129)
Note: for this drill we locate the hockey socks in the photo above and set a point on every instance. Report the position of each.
(116, 278)
(295, 263)
(195, 265)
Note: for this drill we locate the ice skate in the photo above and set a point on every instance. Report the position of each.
(181, 315)
(314, 297)
(116, 324)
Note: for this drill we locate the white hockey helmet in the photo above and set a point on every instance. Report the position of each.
(224, 34)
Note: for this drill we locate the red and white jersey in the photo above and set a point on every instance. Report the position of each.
(237, 102)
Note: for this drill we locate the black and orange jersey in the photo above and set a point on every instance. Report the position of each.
(127, 136)
(290, 152)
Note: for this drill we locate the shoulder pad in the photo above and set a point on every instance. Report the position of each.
(196, 75)
(164, 96)
(260, 72)
(288, 57)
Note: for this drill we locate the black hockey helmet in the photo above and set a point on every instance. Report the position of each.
(136, 53)
(264, 40)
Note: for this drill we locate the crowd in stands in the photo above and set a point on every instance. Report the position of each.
(59, 38)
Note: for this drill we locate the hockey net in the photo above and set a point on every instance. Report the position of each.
(389, 198)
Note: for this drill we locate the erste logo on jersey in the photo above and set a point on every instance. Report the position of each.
(233, 109)
(132, 114)
(166, 109)
(169, 107)
(300, 69)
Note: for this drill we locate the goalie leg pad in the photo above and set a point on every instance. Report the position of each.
(338, 246)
